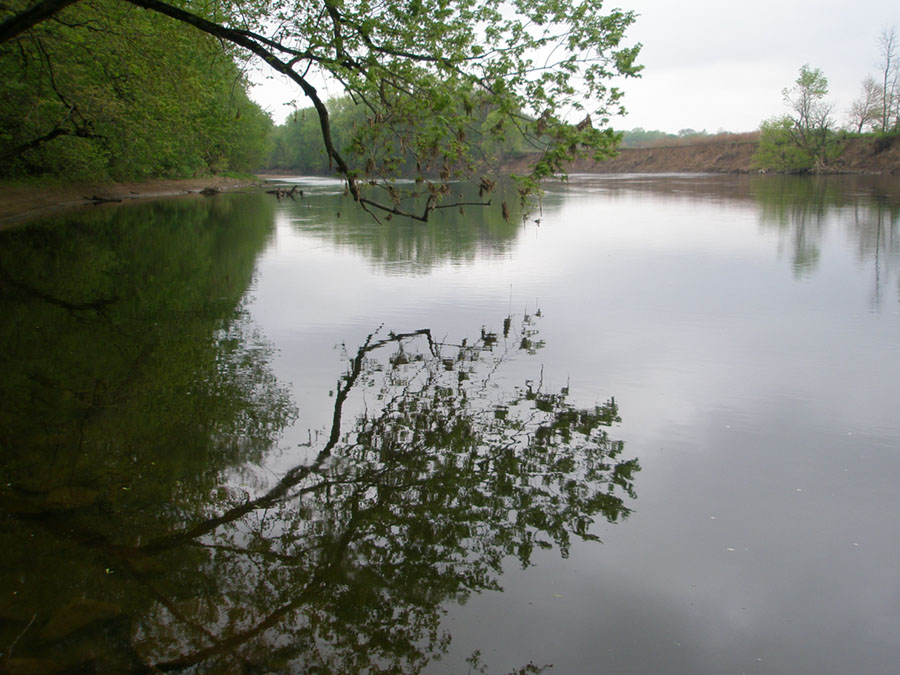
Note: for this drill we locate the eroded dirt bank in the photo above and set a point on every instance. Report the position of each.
(861, 155)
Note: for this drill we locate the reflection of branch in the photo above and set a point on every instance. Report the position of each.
(297, 474)
(234, 641)
(412, 520)
(96, 305)
(281, 557)
(163, 600)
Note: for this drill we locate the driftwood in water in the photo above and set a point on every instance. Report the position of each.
(101, 200)
(209, 191)
(281, 193)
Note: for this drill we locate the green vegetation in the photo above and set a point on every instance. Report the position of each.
(109, 91)
(804, 140)
(807, 140)
(436, 80)
(642, 138)
(297, 144)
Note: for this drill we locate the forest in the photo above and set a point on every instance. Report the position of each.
(109, 91)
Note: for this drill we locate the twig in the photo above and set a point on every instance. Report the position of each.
(12, 645)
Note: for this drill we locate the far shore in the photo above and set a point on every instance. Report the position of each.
(860, 156)
(22, 202)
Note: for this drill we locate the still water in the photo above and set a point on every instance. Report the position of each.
(650, 428)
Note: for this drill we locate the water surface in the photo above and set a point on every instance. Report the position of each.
(650, 427)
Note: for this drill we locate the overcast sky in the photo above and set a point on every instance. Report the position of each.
(715, 64)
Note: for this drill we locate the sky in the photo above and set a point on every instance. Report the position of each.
(721, 65)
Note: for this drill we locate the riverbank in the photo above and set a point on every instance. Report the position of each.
(22, 202)
(860, 156)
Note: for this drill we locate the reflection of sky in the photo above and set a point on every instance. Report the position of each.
(762, 406)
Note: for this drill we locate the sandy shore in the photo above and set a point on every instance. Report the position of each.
(20, 203)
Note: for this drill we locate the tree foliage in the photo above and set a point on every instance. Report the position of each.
(106, 90)
(421, 69)
(778, 148)
(297, 144)
(804, 139)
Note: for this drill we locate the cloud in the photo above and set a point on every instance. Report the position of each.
(723, 65)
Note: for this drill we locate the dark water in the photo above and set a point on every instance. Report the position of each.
(655, 431)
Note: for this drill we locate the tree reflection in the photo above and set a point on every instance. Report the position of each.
(124, 349)
(801, 209)
(877, 230)
(867, 207)
(132, 379)
(405, 246)
(432, 474)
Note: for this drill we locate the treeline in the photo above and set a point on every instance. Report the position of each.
(648, 138)
(106, 90)
(809, 139)
(296, 144)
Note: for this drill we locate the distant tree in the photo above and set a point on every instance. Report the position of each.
(778, 148)
(866, 109)
(803, 140)
(297, 144)
(889, 70)
(811, 113)
(639, 137)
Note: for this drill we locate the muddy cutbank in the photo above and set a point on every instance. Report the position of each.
(860, 155)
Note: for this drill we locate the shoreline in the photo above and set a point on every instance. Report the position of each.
(860, 156)
(22, 203)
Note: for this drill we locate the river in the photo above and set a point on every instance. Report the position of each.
(648, 426)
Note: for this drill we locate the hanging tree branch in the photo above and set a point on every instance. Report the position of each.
(422, 71)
